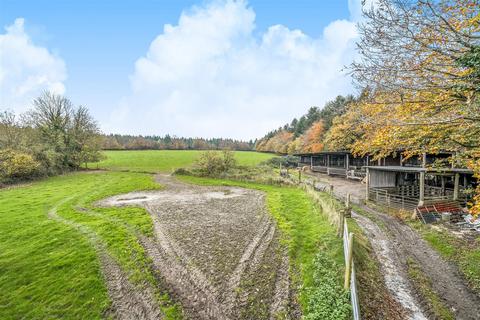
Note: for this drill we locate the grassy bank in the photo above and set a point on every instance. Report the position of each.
(165, 160)
(50, 270)
(315, 251)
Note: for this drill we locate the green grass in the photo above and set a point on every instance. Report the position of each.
(49, 270)
(306, 233)
(166, 160)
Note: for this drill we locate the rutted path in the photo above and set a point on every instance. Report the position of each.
(216, 249)
(401, 243)
(395, 243)
(395, 276)
(128, 301)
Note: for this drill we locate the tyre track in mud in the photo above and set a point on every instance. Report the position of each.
(394, 243)
(128, 301)
(208, 243)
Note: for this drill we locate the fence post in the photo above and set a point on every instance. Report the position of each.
(341, 225)
(348, 209)
(348, 267)
(299, 175)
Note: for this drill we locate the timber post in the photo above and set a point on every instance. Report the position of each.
(348, 209)
(456, 186)
(341, 225)
(367, 184)
(348, 267)
(422, 189)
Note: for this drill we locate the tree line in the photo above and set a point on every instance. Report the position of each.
(307, 133)
(418, 72)
(167, 142)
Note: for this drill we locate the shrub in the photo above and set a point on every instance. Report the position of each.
(17, 165)
(285, 162)
(213, 163)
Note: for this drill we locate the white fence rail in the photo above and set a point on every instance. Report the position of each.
(350, 264)
(350, 279)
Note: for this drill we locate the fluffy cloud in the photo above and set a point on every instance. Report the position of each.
(211, 75)
(26, 69)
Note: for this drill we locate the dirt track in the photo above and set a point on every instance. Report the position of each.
(399, 242)
(395, 243)
(216, 249)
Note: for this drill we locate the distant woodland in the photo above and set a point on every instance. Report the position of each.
(167, 142)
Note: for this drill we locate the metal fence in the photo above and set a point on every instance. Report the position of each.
(314, 184)
(353, 283)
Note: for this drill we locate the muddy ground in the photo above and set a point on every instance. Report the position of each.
(396, 245)
(216, 249)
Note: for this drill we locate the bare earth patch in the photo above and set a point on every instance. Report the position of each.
(216, 249)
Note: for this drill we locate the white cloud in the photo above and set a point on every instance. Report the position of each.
(26, 69)
(210, 75)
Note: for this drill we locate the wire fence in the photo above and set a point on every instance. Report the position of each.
(337, 216)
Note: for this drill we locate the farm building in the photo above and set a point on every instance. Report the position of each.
(408, 187)
(397, 182)
(340, 163)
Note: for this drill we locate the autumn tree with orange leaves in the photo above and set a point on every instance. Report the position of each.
(420, 71)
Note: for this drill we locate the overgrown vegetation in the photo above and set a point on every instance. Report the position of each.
(324, 302)
(214, 164)
(50, 270)
(52, 138)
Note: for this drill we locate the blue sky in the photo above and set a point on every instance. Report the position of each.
(117, 58)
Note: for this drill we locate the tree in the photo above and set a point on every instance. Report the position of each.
(65, 130)
(419, 62)
(313, 140)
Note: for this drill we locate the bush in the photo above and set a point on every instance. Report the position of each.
(285, 162)
(328, 300)
(16, 165)
(213, 163)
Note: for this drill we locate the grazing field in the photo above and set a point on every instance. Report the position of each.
(66, 252)
(50, 269)
(166, 160)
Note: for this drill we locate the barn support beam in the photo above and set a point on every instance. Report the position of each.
(456, 184)
(443, 185)
(367, 184)
(421, 199)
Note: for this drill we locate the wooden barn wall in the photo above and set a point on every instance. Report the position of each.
(382, 179)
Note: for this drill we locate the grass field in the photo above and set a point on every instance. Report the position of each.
(166, 160)
(49, 270)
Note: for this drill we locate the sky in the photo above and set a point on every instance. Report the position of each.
(213, 68)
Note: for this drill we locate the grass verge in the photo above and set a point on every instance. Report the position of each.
(50, 270)
(316, 253)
